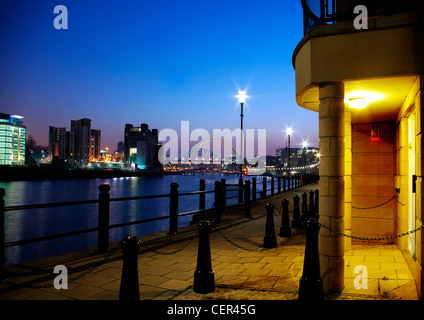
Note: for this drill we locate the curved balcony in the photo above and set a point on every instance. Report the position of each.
(319, 12)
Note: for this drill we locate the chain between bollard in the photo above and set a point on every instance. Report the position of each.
(378, 205)
(171, 252)
(50, 285)
(371, 239)
(259, 249)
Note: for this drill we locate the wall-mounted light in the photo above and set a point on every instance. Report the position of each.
(375, 132)
(361, 99)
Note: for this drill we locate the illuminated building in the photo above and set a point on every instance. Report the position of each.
(82, 130)
(95, 135)
(141, 146)
(364, 76)
(77, 146)
(12, 140)
(61, 144)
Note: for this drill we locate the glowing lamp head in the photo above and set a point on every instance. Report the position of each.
(361, 99)
(289, 131)
(242, 96)
(357, 103)
(304, 144)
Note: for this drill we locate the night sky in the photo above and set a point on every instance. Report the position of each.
(158, 62)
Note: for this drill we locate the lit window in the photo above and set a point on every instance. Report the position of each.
(133, 152)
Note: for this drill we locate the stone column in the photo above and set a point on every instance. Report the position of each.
(331, 183)
(348, 180)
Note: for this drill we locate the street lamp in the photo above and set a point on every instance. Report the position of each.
(304, 149)
(242, 98)
(289, 131)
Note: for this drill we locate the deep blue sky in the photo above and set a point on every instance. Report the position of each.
(153, 61)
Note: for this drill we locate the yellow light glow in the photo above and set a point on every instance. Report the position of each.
(361, 99)
(242, 96)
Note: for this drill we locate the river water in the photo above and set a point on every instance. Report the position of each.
(27, 224)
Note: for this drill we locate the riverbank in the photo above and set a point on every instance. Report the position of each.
(51, 173)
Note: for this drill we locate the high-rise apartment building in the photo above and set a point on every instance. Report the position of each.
(12, 140)
(55, 135)
(95, 135)
(82, 130)
(77, 146)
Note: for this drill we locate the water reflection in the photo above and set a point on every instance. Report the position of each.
(25, 224)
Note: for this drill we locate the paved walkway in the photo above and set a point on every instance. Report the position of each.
(243, 271)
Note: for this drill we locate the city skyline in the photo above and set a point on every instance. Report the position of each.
(156, 63)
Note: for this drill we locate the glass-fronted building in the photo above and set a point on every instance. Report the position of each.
(12, 140)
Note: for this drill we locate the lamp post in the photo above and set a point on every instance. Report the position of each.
(289, 131)
(304, 150)
(242, 98)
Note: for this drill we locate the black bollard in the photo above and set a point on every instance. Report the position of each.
(204, 278)
(310, 286)
(270, 239)
(311, 205)
(304, 216)
(296, 223)
(285, 230)
(129, 290)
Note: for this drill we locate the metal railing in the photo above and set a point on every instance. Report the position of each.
(247, 192)
(319, 12)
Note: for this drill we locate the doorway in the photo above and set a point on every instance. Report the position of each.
(411, 189)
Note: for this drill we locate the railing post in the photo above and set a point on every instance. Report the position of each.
(204, 278)
(224, 192)
(284, 184)
(253, 189)
(103, 219)
(311, 286)
(272, 186)
(296, 222)
(247, 199)
(218, 202)
(173, 209)
(240, 191)
(129, 289)
(202, 196)
(289, 180)
(285, 230)
(264, 188)
(279, 184)
(270, 239)
(2, 233)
